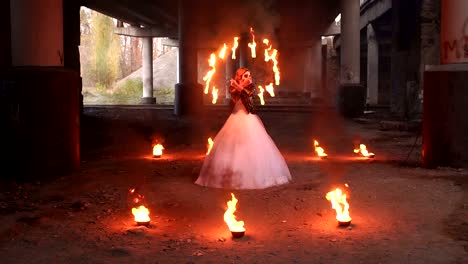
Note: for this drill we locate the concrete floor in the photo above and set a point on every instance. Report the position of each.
(401, 213)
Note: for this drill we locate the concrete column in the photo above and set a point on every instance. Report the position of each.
(229, 73)
(313, 69)
(147, 71)
(37, 32)
(244, 50)
(350, 39)
(351, 95)
(188, 92)
(372, 66)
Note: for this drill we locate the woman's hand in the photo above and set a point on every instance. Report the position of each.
(246, 82)
(236, 85)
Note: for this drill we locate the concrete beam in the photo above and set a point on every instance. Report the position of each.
(139, 32)
(170, 42)
(370, 11)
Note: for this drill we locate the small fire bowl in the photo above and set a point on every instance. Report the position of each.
(156, 156)
(323, 157)
(343, 224)
(237, 234)
(143, 223)
(371, 156)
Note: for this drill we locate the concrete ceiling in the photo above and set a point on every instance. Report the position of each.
(211, 14)
(160, 14)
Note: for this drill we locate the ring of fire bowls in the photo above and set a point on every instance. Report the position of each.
(237, 234)
(143, 223)
(344, 223)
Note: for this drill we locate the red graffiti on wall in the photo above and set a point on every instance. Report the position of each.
(459, 46)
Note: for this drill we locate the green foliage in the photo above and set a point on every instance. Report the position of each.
(100, 50)
(127, 93)
(165, 94)
(106, 51)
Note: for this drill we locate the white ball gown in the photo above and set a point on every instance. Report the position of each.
(243, 155)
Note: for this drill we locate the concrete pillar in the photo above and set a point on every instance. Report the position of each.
(313, 69)
(188, 92)
(372, 66)
(147, 71)
(350, 39)
(229, 73)
(37, 32)
(244, 50)
(351, 95)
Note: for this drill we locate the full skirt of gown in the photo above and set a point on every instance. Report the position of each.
(243, 156)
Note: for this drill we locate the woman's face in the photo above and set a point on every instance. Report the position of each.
(242, 76)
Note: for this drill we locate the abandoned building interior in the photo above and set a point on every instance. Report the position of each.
(390, 74)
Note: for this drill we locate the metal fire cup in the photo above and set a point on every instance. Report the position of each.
(237, 234)
(143, 223)
(344, 223)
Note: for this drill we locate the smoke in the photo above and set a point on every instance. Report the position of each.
(231, 18)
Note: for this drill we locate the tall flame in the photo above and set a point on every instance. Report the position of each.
(319, 150)
(210, 73)
(269, 88)
(209, 146)
(141, 214)
(260, 94)
(273, 56)
(339, 203)
(222, 52)
(266, 52)
(234, 47)
(214, 92)
(230, 218)
(363, 149)
(157, 150)
(253, 44)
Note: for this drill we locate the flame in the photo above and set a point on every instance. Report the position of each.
(141, 214)
(267, 56)
(320, 151)
(157, 150)
(209, 146)
(222, 52)
(339, 203)
(234, 47)
(214, 92)
(273, 56)
(363, 149)
(230, 218)
(269, 88)
(210, 73)
(260, 94)
(253, 44)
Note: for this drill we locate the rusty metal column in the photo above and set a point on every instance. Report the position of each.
(37, 33)
(352, 96)
(188, 92)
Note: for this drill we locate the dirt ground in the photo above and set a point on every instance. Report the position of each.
(401, 213)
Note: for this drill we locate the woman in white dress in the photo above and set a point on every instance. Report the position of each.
(243, 155)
